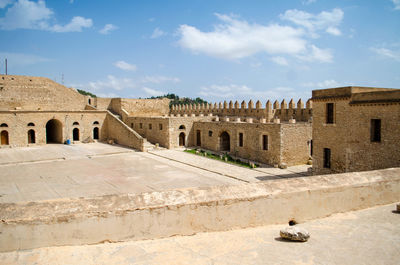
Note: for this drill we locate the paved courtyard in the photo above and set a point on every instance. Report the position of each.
(85, 170)
(370, 236)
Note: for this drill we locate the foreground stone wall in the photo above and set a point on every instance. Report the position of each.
(38, 93)
(152, 215)
(20, 122)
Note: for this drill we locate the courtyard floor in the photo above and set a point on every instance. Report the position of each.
(86, 170)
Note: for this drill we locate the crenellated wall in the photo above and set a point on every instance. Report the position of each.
(283, 111)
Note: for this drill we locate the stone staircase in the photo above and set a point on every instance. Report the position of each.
(147, 146)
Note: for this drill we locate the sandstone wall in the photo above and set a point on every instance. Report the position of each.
(155, 130)
(349, 137)
(287, 143)
(146, 107)
(283, 110)
(122, 134)
(38, 93)
(17, 122)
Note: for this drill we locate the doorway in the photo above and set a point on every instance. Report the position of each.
(4, 138)
(182, 139)
(96, 133)
(31, 137)
(54, 131)
(225, 143)
(75, 134)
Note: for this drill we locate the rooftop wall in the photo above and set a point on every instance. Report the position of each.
(37, 93)
(187, 211)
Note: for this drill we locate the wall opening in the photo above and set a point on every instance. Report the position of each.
(182, 139)
(375, 130)
(327, 158)
(54, 131)
(329, 113)
(75, 134)
(4, 125)
(241, 139)
(225, 142)
(31, 124)
(4, 138)
(265, 142)
(182, 127)
(31, 137)
(96, 133)
(198, 138)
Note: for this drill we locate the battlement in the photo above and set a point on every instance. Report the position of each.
(283, 111)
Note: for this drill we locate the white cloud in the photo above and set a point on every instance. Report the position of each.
(157, 33)
(22, 59)
(4, 3)
(25, 14)
(153, 92)
(107, 29)
(328, 21)
(160, 79)
(125, 66)
(76, 25)
(280, 60)
(316, 54)
(396, 4)
(323, 84)
(235, 39)
(388, 53)
(112, 82)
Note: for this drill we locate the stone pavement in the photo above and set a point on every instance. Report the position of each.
(370, 236)
(87, 170)
(233, 171)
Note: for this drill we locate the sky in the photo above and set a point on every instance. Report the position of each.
(214, 49)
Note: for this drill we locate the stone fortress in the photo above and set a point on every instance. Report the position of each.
(343, 129)
(347, 129)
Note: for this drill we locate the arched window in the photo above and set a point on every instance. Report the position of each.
(31, 137)
(95, 123)
(182, 127)
(75, 123)
(4, 125)
(31, 124)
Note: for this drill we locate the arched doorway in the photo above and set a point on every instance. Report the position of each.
(4, 138)
(75, 134)
(54, 131)
(224, 142)
(31, 137)
(182, 139)
(96, 133)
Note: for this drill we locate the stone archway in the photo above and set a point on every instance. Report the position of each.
(4, 138)
(54, 131)
(224, 142)
(182, 139)
(75, 134)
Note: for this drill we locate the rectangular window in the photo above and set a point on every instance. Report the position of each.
(160, 126)
(132, 125)
(150, 126)
(210, 133)
(327, 158)
(265, 142)
(375, 130)
(241, 139)
(329, 112)
(141, 125)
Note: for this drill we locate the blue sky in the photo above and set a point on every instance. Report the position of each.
(217, 49)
